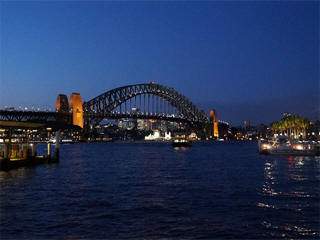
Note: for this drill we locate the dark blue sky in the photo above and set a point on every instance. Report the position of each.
(223, 55)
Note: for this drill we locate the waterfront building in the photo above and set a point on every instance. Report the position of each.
(126, 124)
(156, 135)
(153, 136)
(167, 136)
(143, 125)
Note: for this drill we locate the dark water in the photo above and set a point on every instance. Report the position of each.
(215, 190)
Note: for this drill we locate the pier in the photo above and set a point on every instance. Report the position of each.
(17, 151)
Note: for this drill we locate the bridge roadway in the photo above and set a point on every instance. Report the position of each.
(34, 119)
(41, 118)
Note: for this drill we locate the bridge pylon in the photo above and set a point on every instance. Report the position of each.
(62, 104)
(214, 120)
(76, 109)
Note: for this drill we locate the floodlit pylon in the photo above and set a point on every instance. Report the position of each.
(77, 109)
(62, 104)
(214, 120)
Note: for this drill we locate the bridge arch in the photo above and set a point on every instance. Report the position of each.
(103, 105)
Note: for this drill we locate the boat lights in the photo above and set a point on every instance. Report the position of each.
(299, 147)
(266, 146)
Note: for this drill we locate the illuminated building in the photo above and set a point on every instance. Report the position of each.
(62, 104)
(214, 120)
(76, 109)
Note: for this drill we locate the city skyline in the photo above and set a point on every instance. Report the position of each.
(238, 58)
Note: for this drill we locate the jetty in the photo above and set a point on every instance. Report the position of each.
(23, 153)
(18, 149)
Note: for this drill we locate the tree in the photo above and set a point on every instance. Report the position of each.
(274, 126)
(292, 125)
(305, 123)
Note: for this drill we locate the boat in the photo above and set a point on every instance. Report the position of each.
(63, 139)
(181, 140)
(52, 140)
(282, 145)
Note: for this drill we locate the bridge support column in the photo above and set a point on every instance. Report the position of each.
(6, 150)
(27, 135)
(33, 150)
(49, 144)
(57, 148)
(9, 144)
(49, 149)
(25, 150)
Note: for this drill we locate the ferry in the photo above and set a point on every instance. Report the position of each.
(283, 145)
(181, 140)
(63, 139)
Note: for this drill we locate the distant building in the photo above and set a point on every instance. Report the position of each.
(142, 124)
(246, 123)
(167, 136)
(154, 136)
(126, 124)
(135, 111)
(224, 128)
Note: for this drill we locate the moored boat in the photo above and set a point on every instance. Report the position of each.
(282, 145)
(181, 140)
(63, 139)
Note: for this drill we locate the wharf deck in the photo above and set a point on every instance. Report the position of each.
(7, 164)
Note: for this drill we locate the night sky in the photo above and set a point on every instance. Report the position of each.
(248, 60)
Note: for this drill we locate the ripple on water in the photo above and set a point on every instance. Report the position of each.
(151, 191)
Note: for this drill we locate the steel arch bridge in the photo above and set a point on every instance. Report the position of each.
(144, 101)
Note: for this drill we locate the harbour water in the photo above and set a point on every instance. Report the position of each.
(213, 190)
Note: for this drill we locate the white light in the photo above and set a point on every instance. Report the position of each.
(266, 146)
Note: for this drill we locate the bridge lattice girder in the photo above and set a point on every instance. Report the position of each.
(105, 103)
(32, 116)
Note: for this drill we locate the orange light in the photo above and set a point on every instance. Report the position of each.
(76, 107)
(214, 117)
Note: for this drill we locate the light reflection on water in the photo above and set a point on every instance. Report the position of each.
(211, 190)
(285, 189)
